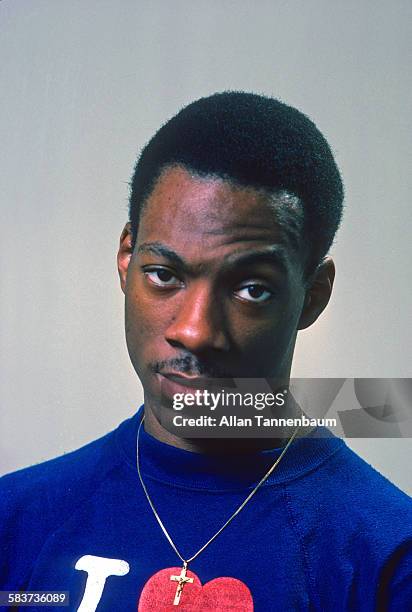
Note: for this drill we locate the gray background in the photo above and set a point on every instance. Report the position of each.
(84, 84)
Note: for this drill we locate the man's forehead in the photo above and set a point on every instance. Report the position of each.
(185, 201)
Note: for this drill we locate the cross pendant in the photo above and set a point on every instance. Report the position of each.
(181, 580)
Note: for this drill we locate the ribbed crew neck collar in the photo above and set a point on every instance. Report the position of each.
(163, 462)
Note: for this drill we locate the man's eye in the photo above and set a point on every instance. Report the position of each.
(254, 293)
(162, 277)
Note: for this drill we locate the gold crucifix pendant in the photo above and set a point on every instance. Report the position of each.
(181, 580)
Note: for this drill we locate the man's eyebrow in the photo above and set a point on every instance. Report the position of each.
(273, 255)
(157, 248)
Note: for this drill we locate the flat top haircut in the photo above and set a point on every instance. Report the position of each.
(255, 141)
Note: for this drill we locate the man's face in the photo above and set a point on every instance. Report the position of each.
(215, 284)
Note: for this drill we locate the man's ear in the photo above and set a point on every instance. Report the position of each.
(124, 254)
(318, 293)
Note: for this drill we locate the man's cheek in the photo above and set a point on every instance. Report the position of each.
(266, 348)
(140, 319)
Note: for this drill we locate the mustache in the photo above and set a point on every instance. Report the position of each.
(188, 364)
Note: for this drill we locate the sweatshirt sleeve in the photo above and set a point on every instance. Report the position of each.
(395, 587)
(22, 529)
(36, 500)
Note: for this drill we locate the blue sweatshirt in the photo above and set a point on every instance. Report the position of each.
(325, 532)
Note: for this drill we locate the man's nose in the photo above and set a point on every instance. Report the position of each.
(198, 324)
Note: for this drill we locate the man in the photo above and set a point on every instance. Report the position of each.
(234, 205)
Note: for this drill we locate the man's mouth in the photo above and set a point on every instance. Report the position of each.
(186, 380)
(172, 382)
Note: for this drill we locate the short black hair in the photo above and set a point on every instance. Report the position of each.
(255, 141)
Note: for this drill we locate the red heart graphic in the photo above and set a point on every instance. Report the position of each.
(218, 595)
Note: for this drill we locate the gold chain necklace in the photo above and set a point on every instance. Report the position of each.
(182, 579)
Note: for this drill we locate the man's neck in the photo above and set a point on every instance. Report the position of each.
(216, 446)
